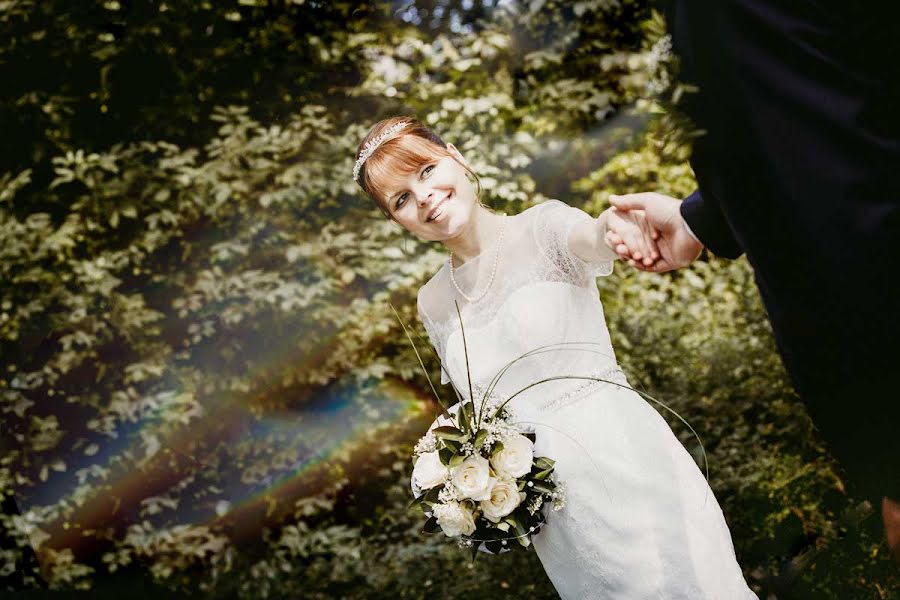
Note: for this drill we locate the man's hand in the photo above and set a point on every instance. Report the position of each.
(636, 239)
(677, 247)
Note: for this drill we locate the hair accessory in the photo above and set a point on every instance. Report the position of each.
(372, 145)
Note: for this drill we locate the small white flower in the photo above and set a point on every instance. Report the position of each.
(427, 443)
(472, 478)
(454, 519)
(559, 497)
(448, 493)
(429, 471)
(514, 460)
(535, 504)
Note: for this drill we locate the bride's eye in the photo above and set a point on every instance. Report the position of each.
(402, 199)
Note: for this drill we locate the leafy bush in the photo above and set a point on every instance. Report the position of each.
(202, 383)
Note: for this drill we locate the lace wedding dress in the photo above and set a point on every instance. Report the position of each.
(640, 520)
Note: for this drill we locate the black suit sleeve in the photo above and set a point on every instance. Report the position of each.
(706, 220)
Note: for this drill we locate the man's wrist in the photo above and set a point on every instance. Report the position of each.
(690, 231)
(692, 239)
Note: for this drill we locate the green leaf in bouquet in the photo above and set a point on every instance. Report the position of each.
(544, 486)
(518, 523)
(455, 446)
(498, 446)
(543, 462)
(530, 435)
(521, 484)
(432, 494)
(448, 432)
(480, 437)
(417, 500)
(475, 547)
(445, 454)
(467, 416)
(457, 459)
(431, 525)
(542, 474)
(494, 546)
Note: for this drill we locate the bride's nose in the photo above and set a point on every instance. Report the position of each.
(425, 198)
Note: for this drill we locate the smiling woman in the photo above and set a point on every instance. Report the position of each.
(640, 520)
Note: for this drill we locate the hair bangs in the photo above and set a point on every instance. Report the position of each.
(393, 162)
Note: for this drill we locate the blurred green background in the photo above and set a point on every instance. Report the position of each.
(204, 392)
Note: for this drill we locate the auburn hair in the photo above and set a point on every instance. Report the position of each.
(400, 156)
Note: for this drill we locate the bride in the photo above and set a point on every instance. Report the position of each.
(639, 520)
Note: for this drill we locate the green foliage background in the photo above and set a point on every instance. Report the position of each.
(181, 244)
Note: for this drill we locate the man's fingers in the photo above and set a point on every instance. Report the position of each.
(627, 202)
(661, 266)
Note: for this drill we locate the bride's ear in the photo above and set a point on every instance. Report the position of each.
(456, 154)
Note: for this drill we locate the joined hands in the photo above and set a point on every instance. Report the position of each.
(648, 231)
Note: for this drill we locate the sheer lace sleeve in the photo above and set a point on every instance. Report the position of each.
(433, 335)
(552, 226)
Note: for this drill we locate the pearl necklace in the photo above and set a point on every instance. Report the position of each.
(493, 268)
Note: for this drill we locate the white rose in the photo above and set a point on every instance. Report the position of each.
(472, 478)
(514, 460)
(505, 497)
(429, 471)
(454, 519)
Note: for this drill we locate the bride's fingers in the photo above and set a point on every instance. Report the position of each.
(640, 245)
(649, 247)
(612, 239)
(632, 239)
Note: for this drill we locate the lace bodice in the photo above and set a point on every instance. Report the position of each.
(542, 294)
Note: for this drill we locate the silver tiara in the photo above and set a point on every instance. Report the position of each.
(372, 145)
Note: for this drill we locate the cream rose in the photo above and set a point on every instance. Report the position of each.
(429, 471)
(505, 497)
(514, 460)
(454, 519)
(472, 478)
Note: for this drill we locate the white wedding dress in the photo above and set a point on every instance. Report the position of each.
(640, 520)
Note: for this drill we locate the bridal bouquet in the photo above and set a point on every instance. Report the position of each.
(480, 481)
(475, 475)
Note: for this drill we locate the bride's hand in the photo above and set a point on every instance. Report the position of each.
(630, 235)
